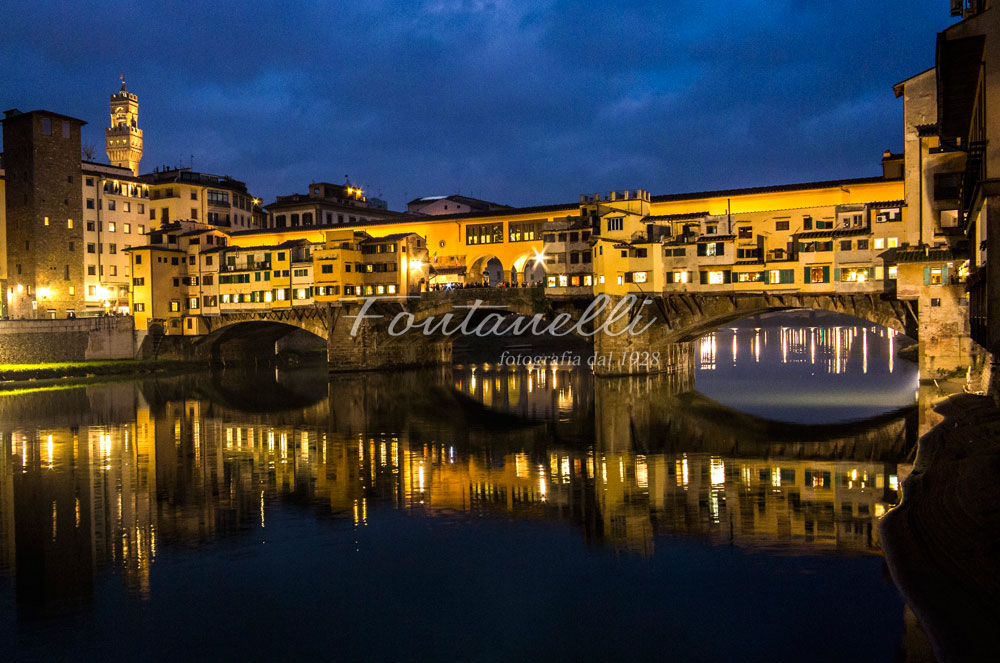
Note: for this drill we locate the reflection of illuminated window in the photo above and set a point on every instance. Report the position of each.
(715, 278)
(640, 277)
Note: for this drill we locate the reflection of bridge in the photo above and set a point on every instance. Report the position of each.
(678, 318)
(129, 469)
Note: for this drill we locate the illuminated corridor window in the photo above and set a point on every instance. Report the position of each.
(484, 233)
(523, 231)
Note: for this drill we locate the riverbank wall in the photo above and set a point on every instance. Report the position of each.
(71, 340)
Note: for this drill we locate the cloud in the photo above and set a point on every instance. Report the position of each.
(516, 101)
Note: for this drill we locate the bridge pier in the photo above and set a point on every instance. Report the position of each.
(366, 345)
(621, 350)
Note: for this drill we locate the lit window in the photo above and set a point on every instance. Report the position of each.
(879, 243)
(893, 271)
(69, 223)
(640, 277)
(854, 274)
(392, 289)
(621, 279)
(680, 277)
(380, 290)
(935, 276)
(893, 242)
(563, 281)
(715, 278)
(267, 295)
(588, 280)
(111, 226)
(550, 282)
(46, 220)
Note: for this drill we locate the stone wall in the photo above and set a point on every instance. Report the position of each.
(945, 344)
(82, 339)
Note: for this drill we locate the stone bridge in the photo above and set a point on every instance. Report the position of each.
(366, 344)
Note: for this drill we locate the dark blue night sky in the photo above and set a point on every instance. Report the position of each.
(519, 102)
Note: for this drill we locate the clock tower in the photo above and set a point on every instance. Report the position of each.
(123, 139)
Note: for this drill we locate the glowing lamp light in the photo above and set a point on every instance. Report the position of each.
(44, 292)
(416, 264)
(20, 288)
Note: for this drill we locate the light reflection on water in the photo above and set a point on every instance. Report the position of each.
(808, 374)
(646, 491)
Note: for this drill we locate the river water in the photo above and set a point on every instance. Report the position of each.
(478, 512)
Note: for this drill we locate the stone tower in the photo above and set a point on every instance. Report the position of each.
(123, 139)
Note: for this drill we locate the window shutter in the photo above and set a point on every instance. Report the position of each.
(805, 275)
(767, 276)
(826, 274)
(720, 249)
(944, 275)
(836, 274)
(871, 273)
(702, 249)
(727, 276)
(927, 275)
(704, 277)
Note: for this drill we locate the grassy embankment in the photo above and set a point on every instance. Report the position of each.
(13, 376)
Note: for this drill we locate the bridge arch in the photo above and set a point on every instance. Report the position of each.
(487, 268)
(690, 316)
(249, 335)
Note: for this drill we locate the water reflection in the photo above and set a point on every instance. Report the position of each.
(115, 477)
(768, 370)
